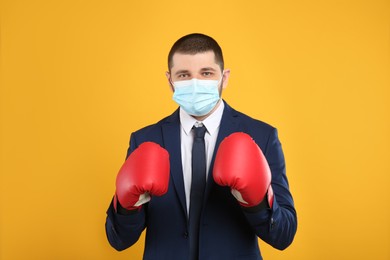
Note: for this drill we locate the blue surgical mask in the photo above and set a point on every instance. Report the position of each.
(197, 97)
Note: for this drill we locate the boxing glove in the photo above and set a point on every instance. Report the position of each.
(144, 173)
(241, 165)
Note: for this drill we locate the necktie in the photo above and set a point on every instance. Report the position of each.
(197, 188)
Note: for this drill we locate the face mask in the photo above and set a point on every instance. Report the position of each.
(196, 97)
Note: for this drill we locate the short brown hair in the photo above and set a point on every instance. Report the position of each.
(196, 43)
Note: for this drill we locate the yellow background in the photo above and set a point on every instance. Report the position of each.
(77, 77)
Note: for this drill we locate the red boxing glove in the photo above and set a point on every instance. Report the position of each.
(146, 171)
(241, 165)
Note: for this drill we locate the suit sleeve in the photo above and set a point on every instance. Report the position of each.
(277, 225)
(124, 230)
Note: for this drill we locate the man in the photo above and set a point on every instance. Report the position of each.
(207, 180)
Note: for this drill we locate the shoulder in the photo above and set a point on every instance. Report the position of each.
(154, 131)
(249, 122)
(262, 132)
(255, 122)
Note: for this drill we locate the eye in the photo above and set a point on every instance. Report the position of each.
(182, 76)
(207, 74)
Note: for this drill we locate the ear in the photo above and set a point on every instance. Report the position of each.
(225, 78)
(168, 75)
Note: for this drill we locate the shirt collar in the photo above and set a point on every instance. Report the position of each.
(211, 123)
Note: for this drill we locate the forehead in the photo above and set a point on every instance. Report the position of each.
(196, 61)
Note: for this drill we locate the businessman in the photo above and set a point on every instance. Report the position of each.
(206, 181)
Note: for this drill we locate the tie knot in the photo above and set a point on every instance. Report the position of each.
(199, 131)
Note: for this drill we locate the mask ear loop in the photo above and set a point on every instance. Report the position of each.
(220, 81)
(170, 81)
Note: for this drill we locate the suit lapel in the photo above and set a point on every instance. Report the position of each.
(229, 124)
(171, 137)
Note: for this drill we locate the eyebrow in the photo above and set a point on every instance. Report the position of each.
(207, 69)
(181, 72)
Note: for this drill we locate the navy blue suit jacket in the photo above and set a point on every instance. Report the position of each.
(227, 230)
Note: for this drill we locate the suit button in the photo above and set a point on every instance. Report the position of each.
(272, 223)
(185, 234)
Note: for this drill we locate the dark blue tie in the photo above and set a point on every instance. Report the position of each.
(197, 189)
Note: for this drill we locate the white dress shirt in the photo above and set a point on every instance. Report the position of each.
(212, 124)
